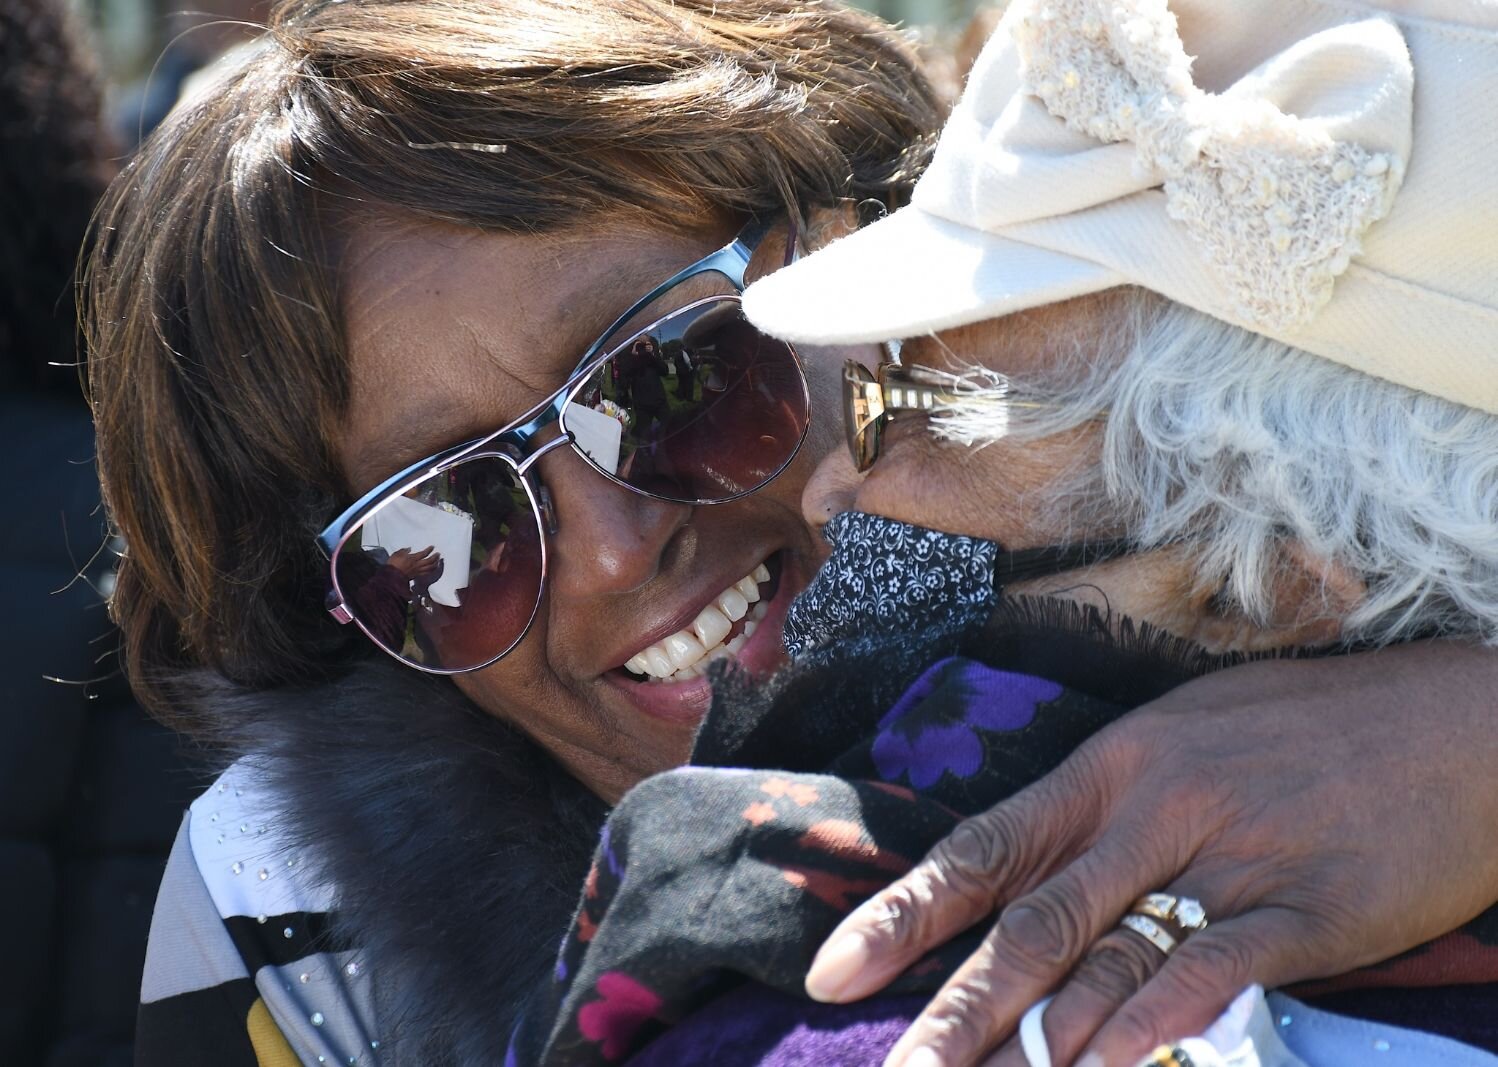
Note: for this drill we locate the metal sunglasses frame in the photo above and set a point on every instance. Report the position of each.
(870, 400)
(515, 441)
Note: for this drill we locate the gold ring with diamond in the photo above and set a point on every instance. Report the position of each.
(1184, 912)
(1151, 931)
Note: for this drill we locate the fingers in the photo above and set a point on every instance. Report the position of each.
(1126, 998)
(953, 887)
(1122, 1000)
(985, 861)
(1268, 947)
(1036, 943)
(1115, 968)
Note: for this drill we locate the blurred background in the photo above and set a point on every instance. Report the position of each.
(91, 790)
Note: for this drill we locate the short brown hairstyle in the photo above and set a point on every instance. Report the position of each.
(217, 367)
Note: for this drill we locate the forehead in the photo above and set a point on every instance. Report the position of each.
(451, 331)
(1024, 342)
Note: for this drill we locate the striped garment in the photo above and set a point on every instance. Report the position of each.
(238, 970)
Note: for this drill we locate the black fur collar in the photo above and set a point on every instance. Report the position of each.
(456, 844)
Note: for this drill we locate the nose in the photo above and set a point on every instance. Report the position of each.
(608, 539)
(832, 488)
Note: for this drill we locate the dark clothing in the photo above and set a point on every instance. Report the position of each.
(90, 788)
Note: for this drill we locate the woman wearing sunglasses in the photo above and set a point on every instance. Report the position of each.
(419, 335)
(447, 463)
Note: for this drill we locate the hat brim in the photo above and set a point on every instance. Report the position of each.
(914, 273)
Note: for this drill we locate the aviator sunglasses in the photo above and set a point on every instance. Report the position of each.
(443, 564)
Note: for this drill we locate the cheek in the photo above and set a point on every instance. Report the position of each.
(1001, 492)
(919, 483)
(519, 689)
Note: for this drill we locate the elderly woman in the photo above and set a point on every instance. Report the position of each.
(1282, 402)
(1177, 308)
(416, 356)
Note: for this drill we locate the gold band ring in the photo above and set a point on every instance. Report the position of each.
(1185, 912)
(1151, 931)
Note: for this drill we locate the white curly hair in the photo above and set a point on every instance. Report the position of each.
(1236, 444)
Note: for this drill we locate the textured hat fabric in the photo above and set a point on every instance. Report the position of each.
(1318, 171)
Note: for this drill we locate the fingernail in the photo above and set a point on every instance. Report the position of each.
(1092, 1059)
(836, 966)
(924, 1057)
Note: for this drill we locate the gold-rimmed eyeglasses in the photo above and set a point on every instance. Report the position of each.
(871, 399)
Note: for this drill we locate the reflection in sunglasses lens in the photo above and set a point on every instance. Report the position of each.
(447, 575)
(701, 408)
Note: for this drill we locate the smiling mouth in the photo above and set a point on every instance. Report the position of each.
(720, 631)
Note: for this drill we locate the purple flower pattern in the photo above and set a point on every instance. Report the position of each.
(933, 729)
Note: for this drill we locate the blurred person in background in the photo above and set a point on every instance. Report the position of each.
(90, 788)
(197, 40)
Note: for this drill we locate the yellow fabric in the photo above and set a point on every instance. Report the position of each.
(271, 1049)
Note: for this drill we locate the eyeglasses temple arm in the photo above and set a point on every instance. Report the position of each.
(908, 396)
(912, 396)
(731, 261)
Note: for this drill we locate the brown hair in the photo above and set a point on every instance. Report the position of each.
(217, 367)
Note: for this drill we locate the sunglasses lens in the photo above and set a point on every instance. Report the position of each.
(860, 431)
(447, 576)
(700, 407)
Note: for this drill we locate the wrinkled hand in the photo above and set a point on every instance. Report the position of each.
(1328, 814)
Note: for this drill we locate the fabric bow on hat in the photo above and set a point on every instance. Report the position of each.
(1270, 163)
(1279, 201)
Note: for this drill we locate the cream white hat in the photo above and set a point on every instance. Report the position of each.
(1324, 172)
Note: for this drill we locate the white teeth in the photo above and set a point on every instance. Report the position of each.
(684, 649)
(687, 653)
(731, 602)
(657, 663)
(710, 627)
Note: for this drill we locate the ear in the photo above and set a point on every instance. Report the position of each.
(1309, 597)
